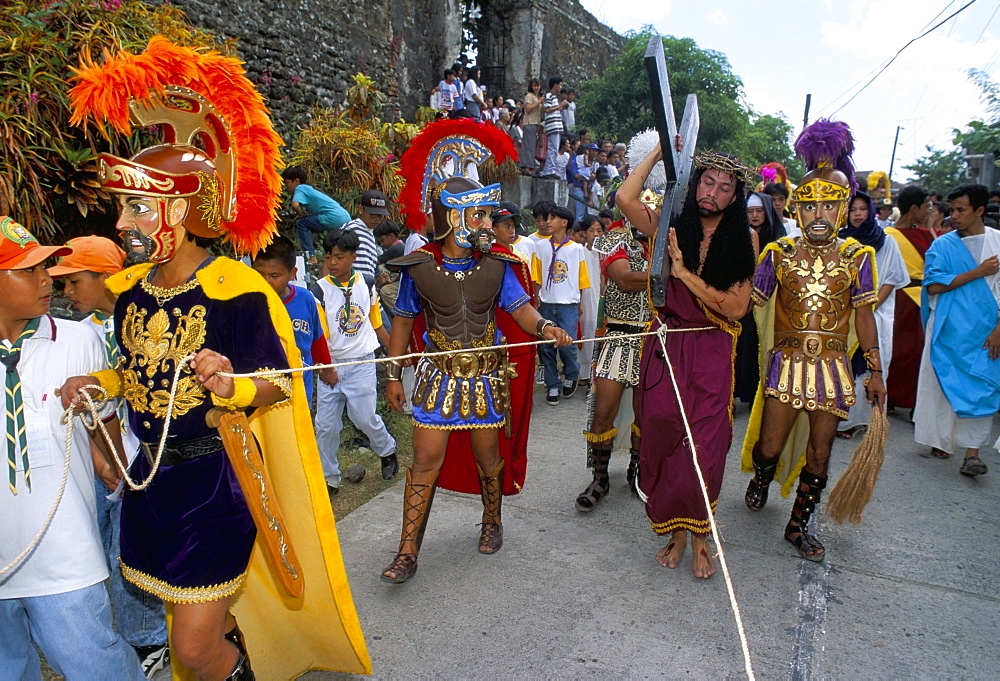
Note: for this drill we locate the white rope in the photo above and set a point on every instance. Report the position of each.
(661, 334)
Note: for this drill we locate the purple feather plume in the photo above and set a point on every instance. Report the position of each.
(826, 139)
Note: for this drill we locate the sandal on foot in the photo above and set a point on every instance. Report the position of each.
(592, 496)
(973, 466)
(403, 566)
(807, 545)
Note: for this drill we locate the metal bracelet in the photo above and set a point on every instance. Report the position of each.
(394, 370)
(541, 324)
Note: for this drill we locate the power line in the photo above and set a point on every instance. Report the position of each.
(912, 40)
(882, 64)
(987, 24)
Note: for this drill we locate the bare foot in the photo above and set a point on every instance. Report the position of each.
(704, 566)
(670, 555)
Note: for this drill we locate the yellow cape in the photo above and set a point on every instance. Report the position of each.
(793, 456)
(914, 262)
(287, 637)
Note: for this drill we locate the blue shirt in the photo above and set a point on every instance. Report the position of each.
(572, 170)
(315, 202)
(303, 309)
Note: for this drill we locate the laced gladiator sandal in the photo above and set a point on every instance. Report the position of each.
(417, 501)
(632, 474)
(242, 670)
(756, 496)
(491, 486)
(599, 447)
(796, 532)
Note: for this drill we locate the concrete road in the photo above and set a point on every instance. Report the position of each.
(912, 592)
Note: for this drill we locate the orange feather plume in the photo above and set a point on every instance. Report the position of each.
(103, 92)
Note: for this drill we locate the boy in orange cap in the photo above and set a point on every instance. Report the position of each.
(55, 596)
(139, 615)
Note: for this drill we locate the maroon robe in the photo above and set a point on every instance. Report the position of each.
(907, 334)
(703, 366)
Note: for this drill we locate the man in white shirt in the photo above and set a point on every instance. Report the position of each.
(560, 265)
(54, 596)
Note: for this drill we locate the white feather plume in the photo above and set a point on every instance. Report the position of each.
(638, 149)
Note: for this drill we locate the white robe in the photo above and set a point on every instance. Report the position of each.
(935, 423)
(891, 271)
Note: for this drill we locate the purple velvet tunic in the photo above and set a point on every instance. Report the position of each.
(703, 365)
(188, 536)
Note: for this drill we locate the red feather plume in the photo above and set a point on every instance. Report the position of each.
(413, 164)
(103, 92)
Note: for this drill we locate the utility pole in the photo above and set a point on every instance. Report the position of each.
(805, 115)
(895, 143)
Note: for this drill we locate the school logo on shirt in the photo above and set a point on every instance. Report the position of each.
(301, 325)
(559, 272)
(350, 322)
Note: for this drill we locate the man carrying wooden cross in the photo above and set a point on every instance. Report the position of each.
(706, 285)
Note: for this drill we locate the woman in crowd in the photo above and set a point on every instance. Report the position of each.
(473, 94)
(529, 129)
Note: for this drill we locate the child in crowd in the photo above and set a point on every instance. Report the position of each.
(562, 160)
(315, 211)
(139, 615)
(356, 331)
(55, 597)
(276, 264)
(387, 279)
(560, 265)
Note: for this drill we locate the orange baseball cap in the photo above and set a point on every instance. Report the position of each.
(90, 254)
(20, 250)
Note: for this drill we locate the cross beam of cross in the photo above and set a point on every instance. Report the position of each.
(676, 163)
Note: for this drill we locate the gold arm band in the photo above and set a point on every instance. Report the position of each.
(246, 390)
(394, 370)
(110, 381)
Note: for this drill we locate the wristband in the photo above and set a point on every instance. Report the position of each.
(245, 391)
(394, 370)
(110, 381)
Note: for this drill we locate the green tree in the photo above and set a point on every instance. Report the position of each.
(939, 170)
(983, 136)
(616, 104)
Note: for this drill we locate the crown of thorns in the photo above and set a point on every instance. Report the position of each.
(725, 163)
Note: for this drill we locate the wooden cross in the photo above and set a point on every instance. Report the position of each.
(677, 164)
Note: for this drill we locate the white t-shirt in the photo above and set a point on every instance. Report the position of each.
(413, 242)
(562, 279)
(525, 249)
(70, 555)
(352, 332)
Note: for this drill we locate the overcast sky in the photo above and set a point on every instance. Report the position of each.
(783, 50)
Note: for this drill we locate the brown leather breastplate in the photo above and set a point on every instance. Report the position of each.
(460, 307)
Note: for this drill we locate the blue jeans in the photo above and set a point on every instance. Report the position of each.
(73, 630)
(309, 224)
(579, 203)
(551, 153)
(356, 390)
(566, 316)
(139, 615)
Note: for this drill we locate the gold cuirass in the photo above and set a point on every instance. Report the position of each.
(811, 323)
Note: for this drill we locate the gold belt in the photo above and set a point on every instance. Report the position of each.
(468, 364)
(812, 344)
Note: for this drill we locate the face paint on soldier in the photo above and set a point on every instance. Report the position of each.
(150, 227)
(819, 220)
(472, 227)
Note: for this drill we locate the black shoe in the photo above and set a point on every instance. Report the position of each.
(334, 491)
(390, 466)
(569, 388)
(355, 473)
(552, 397)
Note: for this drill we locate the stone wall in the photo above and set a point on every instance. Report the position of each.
(303, 53)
